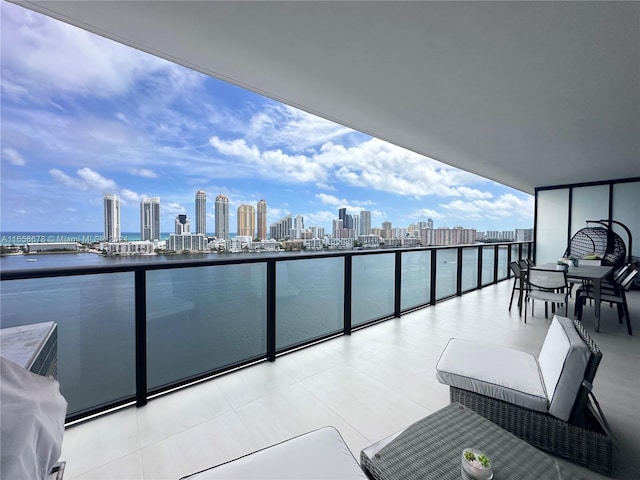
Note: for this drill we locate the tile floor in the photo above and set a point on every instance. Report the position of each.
(368, 385)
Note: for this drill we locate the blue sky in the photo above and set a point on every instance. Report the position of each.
(82, 115)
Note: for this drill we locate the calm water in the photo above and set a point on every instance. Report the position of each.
(204, 318)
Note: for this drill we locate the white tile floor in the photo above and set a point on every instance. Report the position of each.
(368, 385)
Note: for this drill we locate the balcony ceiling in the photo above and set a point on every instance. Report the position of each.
(527, 94)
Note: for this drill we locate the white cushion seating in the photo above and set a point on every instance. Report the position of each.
(549, 383)
(319, 454)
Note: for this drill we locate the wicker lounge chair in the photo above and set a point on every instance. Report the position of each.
(546, 401)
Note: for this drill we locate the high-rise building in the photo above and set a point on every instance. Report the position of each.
(183, 225)
(280, 230)
(365, 222)
(150, 218)
(222, 217)
(262, 220)
(111, 218)
(347, 220)
(201, 212)
(299, 226)
(246, 221)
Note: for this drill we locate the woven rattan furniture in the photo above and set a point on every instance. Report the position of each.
(431, 449)
(580, 434)
(601, 241)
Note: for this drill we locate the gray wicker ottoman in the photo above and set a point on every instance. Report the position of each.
(431, 449)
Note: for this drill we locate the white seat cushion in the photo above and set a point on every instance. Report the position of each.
(563, 360)
(320, 454)
(494, 371)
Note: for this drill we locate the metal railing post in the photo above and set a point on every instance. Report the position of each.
(141, 336)
(397, 299)
(271, 310)
(348, 288)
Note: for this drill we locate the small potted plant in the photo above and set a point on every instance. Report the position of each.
(476, 464)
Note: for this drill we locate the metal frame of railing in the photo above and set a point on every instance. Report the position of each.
(139, 269)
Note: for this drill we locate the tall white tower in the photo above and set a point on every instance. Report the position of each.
(201, 212)
(222, 217)
(365, 222)
(150, 218)
(111, 217)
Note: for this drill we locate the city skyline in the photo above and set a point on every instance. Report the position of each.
(83, 116)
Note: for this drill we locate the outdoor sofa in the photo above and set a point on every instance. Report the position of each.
(545, 400)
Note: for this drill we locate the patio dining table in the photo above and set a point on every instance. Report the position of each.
(595, 275)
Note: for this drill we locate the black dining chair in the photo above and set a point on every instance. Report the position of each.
(614, 296)
(519, 283)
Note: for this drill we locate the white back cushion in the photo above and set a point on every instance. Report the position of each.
(563, 360)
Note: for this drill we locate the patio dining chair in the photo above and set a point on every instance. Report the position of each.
(614, 294)
(549, 286)
(519, 283)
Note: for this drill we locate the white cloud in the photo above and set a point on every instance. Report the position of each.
(95, 181)
(49, 55)
(14, 157)
(505, 206)
(143, 172)
(287, 127)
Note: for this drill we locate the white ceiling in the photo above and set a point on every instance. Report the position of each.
(528, 94)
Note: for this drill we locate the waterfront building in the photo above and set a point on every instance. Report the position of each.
(222, 217)
(281, 229)
(369, 241)
(150, 218)
(52, 247)
(339, 243)
(128, 248)
(355, 226)
(111, 217)
(312, 244)
(337, 227)
(447, 236)
(261, 213)
(201, 212)
(246, 221)
(187, 242)
(182, 225)
(524, 234)
(365, 222)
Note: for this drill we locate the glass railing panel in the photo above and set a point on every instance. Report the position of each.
(416, 279)
(446, 272)
(203, 319)
(514, 253)
(95, 318)
(488, 257)
(503, 257)
(526, 251)
(372, 292)
(469, 268)
(309, 300)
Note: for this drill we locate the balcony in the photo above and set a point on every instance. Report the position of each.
(368, 384)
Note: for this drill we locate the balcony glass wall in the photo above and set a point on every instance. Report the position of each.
(207, 316)
(203, 319)
(503, 255)
(469, 268)
(95, 317)
(416, 279)
(488, 257)
(446, 272)
(373, 287)
(309, 300)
